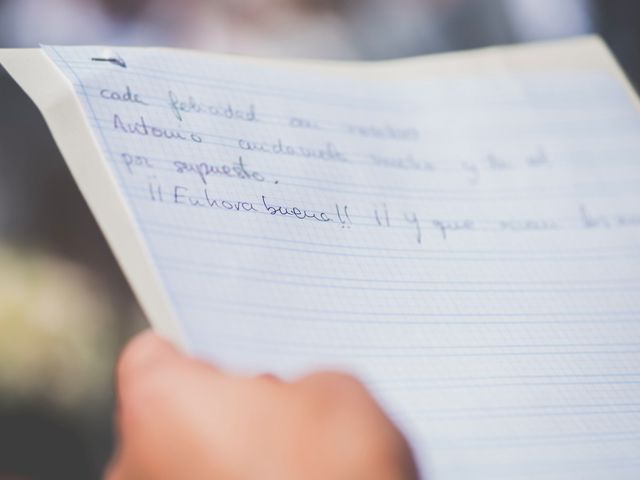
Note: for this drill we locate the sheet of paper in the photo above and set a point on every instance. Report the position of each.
(463, 233)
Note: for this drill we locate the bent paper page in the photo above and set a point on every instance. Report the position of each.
(461, 231)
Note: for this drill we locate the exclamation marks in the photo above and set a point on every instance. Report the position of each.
(155, 192)
(382, 217)
(342, 211)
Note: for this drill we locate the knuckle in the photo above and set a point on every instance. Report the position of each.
(338, 385)
(338, 398)
(135, 356)
(141, 385)
(268, 381)
(342, 404)
(348, 393)
(140, 406)
(143, 390)
(141, 361)
(346, 381)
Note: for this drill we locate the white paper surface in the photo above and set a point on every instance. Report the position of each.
(463, 233)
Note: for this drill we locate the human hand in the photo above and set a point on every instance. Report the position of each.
(181, 418)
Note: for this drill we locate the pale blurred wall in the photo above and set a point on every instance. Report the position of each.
(317, 28)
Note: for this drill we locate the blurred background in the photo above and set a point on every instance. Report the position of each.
(65, 308)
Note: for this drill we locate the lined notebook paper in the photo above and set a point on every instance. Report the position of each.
(462, 232)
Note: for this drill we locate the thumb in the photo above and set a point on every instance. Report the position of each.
(160, 404)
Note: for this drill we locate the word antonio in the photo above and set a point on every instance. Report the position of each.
(181, 195)
(142, 128)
